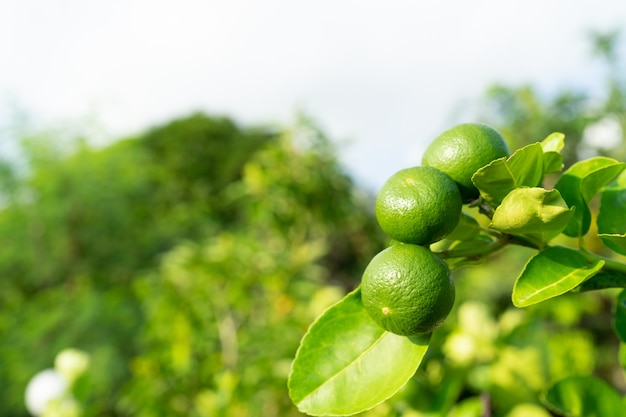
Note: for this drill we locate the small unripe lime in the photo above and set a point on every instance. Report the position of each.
(463, 150)
(418, 205)
(407, 290)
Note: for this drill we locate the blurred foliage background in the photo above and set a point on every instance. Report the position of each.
(189, 260)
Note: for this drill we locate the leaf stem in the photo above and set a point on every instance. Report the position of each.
(525, 241)
(502, 239)
(483, 207)
(472, 253)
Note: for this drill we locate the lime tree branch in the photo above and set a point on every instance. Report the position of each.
(614, 271)
(481, 251)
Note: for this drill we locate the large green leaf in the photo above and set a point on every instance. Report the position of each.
(580, 183)
(612, 215)
(550, 273)
(532, 211)
(346, 363)
(523, 168)
(584, 396)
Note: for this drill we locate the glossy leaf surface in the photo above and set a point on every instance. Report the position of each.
(346, 363)
(580, 183)
(615, 242)
(550, 273)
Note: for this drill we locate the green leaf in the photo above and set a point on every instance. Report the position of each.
(620, 316)
(550, 273)
(526, 164)
(584, 396)
(494, 181)
(580, 183)
(552, 158)
(611, 217)
(535, 211)
(615, 242)
(596, 180)
(346, 363)
(480, 241)
(523, 168)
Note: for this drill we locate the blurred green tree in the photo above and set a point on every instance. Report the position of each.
(90, 238)
(227, 313)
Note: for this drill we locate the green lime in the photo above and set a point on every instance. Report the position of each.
(418, 205)
(463, 150)
(407, 289)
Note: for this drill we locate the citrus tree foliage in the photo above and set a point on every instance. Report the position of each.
(190, 260)
(185, 261)
(343, 364)
(531, 333)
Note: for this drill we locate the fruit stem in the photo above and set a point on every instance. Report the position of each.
(483, 207)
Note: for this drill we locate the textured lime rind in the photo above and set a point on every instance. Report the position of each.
(418, 205)
(407, 290)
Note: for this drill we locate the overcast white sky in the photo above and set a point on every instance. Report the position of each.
(387, 75)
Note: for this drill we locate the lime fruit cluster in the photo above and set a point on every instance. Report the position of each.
(407, 289)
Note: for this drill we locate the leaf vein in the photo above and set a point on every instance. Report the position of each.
(554, 284)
